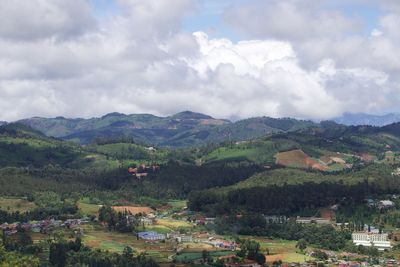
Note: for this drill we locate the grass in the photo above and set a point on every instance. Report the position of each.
(16, 204)
(161, 229)
(174, 224)
(224, 153)
(191, 256)
(88, 209)
(283, 250)
(112, 246)
(98, 237)
(177, 204)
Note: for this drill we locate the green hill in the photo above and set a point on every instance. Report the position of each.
(23, 146)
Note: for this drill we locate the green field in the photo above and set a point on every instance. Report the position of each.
(88, 209)
(224, 153)
(98, 237)
(190, 256)
(177, 204)
(174, 224)
(161, 229)
(283, 250)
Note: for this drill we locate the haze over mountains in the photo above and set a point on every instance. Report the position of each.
(367, 119)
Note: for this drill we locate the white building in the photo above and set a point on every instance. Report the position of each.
(380, 241)
(386, 204)
(143, 221)
(316, 220)
(184, 239)
(276, 219)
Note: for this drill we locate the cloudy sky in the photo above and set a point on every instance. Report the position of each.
(234, 59)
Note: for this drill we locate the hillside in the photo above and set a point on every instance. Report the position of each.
(328, 147)
(290, 191)
(180, 130)
(23, 146)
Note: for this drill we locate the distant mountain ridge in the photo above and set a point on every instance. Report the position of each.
(367, 119)
(182, 129)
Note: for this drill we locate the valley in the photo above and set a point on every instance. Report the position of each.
(281, 198)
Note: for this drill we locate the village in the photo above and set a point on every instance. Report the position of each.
(183, 236)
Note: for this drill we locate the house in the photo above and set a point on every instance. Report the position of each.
(141, 175)
(219, 243)
(210, 220)
(396, 172)
(380, 241)
(132, 170)
(71, 223)
(151, 236)
(371, 229)
(181, 238)
(10, 232)
(26, 226)
(85, 219)
(36, 228)
(199, 219)
(55, 223)
(385, 204)
(334, 207)
(144, 221)
(142, 170)
(4, 226)
(276, 219)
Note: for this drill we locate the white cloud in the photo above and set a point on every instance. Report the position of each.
(35, 19)
(289, 20)
(139, 60)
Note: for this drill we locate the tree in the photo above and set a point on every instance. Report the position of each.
(58, 254)
(205, 255)
(260, 258)
(301, 244)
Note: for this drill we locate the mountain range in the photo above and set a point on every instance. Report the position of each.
(182, 129)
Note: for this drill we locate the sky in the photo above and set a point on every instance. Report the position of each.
(234, 59)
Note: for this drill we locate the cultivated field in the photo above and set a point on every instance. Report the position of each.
(174, 224)
(298, 159)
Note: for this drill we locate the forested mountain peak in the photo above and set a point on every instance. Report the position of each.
(190, 115)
